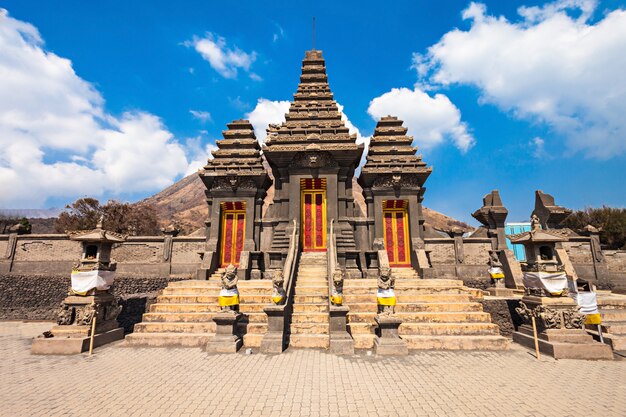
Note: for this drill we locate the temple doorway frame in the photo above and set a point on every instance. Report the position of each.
(313, 215)
(232, 232)
(396, 232)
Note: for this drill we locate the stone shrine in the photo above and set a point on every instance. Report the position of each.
(89, 301)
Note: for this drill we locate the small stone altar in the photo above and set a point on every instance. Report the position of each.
(89, 298)
(547, 301)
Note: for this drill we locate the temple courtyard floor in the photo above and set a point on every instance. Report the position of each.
(123, 381)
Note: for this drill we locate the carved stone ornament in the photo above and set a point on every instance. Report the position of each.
(396, 181)
(313, 159)
(233, 182)
(551, 318)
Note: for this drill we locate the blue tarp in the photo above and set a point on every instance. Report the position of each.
(512, 229)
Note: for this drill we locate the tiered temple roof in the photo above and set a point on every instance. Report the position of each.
(238, 154)
(314, 117)
(391, 151)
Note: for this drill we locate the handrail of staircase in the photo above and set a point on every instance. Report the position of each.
(289, 269)
(331, 249)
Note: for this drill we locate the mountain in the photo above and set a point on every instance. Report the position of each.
(184, 203)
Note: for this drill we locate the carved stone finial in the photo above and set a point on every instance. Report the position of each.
(100, 224)
(535, 223)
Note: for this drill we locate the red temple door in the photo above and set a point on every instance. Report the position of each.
(396, 232)
(233, 232)
(313, 197)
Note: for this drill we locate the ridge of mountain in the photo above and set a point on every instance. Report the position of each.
(183, 203)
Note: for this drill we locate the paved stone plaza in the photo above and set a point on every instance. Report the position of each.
(119, 380)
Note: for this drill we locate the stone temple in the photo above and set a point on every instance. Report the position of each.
(315, 269)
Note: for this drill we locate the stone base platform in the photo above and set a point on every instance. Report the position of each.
(73, 345)
(564, 343)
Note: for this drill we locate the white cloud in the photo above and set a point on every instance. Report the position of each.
(223, 59)
(203, 116)
(266, 112)
(429, 119)
(538, 147)
(198, 154)
(57, 140)
(551, 66)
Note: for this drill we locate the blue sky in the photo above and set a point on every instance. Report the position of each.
(119, 99)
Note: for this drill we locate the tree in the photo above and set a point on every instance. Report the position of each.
(132, 219)
(7, 222)
(610, 221)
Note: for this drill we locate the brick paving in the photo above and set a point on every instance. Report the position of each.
(119, 380)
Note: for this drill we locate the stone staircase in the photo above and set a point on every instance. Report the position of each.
(438, 314)
(280, 240)
(613, 313)
(309, 321)
(183, 313)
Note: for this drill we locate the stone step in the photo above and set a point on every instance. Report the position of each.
(438, 307)
(362, 317)
(415, 297)
(361, 328)
(370, 307)
(312, 282)
(309, 341)
(615, 327)
(363, 340)
(255, 317)
(449, 329)
(210, 299)
(214, 291)
(309, 317)
(309, 328)
(160, 327)
(454, 317)
(310, 290)
(254, 283)
(184, 308)
(178, 317)
(310, 299)
(613, 315)
(168, 339)
(256, 328)
(253, 339)
(457, 342)
(310, 308)
(415, 291)
(253, 308)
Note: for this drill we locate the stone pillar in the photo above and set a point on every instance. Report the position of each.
(226, 339)
(388, 342)
(341, 343)
(274, 339)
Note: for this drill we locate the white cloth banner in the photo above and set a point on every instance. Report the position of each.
(228, 293)
(83, 281)
(588, 302)
(552, 282)
(385, 293)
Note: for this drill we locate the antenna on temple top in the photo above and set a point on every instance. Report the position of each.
(314, 33)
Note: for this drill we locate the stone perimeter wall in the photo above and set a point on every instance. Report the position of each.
(38, 297)
(145, 256)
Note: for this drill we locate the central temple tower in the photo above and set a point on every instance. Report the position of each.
(313, 157)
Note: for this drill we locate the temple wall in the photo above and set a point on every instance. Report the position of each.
(4, 244)
(441, 251)
(616, 261)
(145, 256)
(476, 253)
(579, 252)
(470, 264)
(45, 248)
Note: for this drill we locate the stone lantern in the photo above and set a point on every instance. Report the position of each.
(559, 324)
(89, 298)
